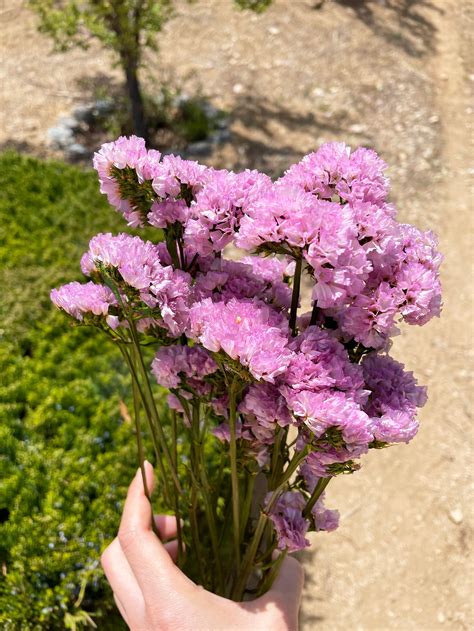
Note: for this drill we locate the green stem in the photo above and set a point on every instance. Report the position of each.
(314, 314)
(177, 512)
(318, 491)
(234, 470)
(247, 504)
(272, 574)
(152, 405)
(195, 533)
(172, 248)
(141, 457)
(206, 492)
(156, 445)
(248, 561)
(295, 297)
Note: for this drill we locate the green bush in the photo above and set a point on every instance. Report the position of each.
(66, 453)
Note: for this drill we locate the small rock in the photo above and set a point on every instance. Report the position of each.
(237, 88)
(456, 516)
(104, 107)
(441, 617)
(357, 129)
(182, 99)
(273, 30)
(318, 92)
(67, 121)
(221, 136)
(433, 119)
(222, 123)
(84, 114)
(60, 137)
(77, 151)
(202, 148)
(209, 110)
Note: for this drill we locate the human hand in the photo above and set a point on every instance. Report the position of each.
(153, 594)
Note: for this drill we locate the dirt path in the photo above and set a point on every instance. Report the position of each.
(392, 74)
(402, 558)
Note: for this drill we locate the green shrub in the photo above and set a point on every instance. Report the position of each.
(66, 453)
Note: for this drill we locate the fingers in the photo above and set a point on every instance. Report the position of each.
(283, 599)
(121, 608)
(148, 559)
(121, 578)
(172, 549)
(290, 579)
(167, 527)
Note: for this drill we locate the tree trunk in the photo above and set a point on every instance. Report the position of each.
(136, 99)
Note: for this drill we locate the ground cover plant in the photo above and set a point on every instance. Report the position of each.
(284, 400)
(66, 449)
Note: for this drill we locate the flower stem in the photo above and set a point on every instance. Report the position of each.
(177, 512)
(152, 405)
(156, 445)
(314, 314)
(318, 491)
(249, 558)
(295, 297)
(141, 457)
(206, 492)
(234, 471)
(247, 503)
(272, 574)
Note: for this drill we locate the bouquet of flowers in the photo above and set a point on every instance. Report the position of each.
(265, 404)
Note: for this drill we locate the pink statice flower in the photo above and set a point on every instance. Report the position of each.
(325, 519)
(248, 331)
(418, 276)
(168, 212)
(240, 279)
(322, 231)
(122, 153)
(327, 409)
(329, 461)
(282, 215)
(334, 170)
(371, 318)
(340, 265)
(174, 366)
(266, 405)
(176, 177)
(222, 431)
(79, 299)
(321, 362)
(394, 399)
(288, 521)
(136, 260)
(192, 263)
(215, 215)
(138, 264)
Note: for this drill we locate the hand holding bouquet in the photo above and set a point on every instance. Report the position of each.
(265, 404)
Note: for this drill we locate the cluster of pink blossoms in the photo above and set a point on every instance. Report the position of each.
(325, 376)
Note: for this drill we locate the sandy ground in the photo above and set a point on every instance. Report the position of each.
(392, 74)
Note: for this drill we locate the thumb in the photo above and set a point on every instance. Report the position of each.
(289, 581)
(285, 595)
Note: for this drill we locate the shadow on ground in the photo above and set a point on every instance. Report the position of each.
(308, 619)
(263, 133)
(403, 23)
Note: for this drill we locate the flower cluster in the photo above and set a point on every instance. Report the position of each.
(297, 397)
